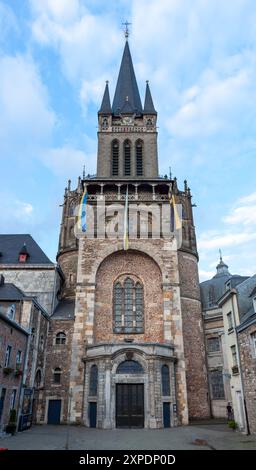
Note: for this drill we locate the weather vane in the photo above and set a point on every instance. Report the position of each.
(126, 31)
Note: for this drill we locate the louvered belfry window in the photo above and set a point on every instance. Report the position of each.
(128, 307)
(127, 158)
(115, 158)
(139, 158)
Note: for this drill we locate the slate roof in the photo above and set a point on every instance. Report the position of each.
(105, 105)
(65, 310)
(212, 289)
(11, 246)
(149, 105)
(127, 97)
(9, 291)
(244, 298)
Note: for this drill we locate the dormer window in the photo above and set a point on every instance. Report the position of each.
(23, 254)
(254, 303)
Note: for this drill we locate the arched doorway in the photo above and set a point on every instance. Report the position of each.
(129, 396)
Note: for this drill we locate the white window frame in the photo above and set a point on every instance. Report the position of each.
(230, 321)
(253, 343)
(7, 356)
(13, 398)
(18, 357)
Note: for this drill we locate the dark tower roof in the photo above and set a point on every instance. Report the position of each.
(149, 105)
(105, 105)
(127, 97)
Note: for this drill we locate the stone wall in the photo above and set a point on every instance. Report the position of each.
(248, 366)
(193, 337)
(57, 356)
(92, 254)
(148, 273)
(11, 336)
(39, 283)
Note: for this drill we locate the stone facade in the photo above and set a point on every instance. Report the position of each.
(10, 383)
(248, 368)
(35, 282)
(58, 356)
(168, 350)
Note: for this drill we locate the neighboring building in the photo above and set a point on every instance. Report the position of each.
(126, 342)
(235, 304)
(13, 347)
(247, 346)
(23, 263)
(24, 330)
(215, 339)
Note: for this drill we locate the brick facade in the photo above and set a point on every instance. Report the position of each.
(248, 369)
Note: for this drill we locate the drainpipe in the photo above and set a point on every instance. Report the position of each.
(240, 369)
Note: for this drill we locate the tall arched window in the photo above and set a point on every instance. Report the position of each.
(93, 380)
(165, 381)
(60, 338)
(128, 307)
(115, 158)
(139, 158)
(127, 158)
(57, 375)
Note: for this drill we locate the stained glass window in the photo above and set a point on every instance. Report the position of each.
(130, 367)
(165, 381)
(128, 307)
(93, 380)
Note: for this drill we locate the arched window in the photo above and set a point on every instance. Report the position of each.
(115, 158)
(93, 380)
(105, 123)
(60, 338)
(57, 375)
(165, 380)
(139, 158)
(149, 122)
(128, 307)
(38, 379)
(127, 158)
(130, 367)
(41, 343)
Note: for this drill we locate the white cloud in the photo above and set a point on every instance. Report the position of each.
(8, 21)
(80, 42)
(243, 214)
(26, 118)
(64, 11)
(207, 108)
(225, 240)
(22, 209)
(67, 161)
(205, 275)
(247, 199)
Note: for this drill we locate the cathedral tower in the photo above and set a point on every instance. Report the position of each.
(137, 353)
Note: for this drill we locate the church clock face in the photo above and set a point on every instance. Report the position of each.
(127, 120)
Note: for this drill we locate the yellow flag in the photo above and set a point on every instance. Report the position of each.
(177, 219)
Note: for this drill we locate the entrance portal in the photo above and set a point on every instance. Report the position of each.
(130, 405)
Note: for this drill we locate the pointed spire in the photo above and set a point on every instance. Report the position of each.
(105, 105)
(148, 105)
(127, 97)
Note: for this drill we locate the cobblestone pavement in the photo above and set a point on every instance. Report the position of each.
(204, 437)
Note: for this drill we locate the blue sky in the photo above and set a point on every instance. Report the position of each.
(200, 59)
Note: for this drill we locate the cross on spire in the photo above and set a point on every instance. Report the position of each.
(126, 31)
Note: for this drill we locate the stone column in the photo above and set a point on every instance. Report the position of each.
(107, 396)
